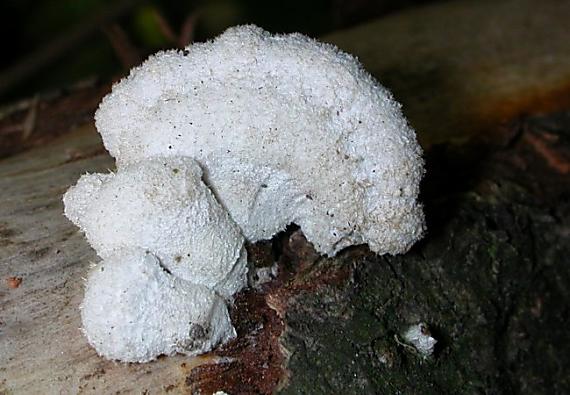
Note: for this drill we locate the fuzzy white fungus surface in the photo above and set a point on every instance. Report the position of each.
(163, 206)
(287, 130)
(134, 311)
(229, 140)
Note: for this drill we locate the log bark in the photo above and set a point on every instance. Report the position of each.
(489, 279)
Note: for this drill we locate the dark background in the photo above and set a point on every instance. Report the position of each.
(52, 44)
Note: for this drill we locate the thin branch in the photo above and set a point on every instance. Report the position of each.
(47, 54)
(187, 30)
(164, 26)
(127, 53)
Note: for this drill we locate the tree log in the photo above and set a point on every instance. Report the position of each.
(489, 280)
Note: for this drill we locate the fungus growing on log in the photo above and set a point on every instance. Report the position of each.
(161, 205)
(134, 311)
(285, 129)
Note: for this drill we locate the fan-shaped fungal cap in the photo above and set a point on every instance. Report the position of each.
(286, 128)
(134, 311)
(162, 205)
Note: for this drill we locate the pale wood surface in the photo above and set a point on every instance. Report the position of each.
(462, 67)
(457, 67)
(41, 347)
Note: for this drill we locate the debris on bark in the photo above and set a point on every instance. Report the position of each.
(14, 282)
(489, 280)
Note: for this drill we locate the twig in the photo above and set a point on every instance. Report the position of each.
(187, 30)
(30, 121)
(164, 26)
(122, 45)
(29, 124)
(45, 55)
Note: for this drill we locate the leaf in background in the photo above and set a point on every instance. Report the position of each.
(151, 29)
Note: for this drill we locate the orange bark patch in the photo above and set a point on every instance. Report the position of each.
(14, 282)
(255, 362)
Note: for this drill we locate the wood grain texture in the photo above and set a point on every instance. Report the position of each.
(42, 349)
(462, 67)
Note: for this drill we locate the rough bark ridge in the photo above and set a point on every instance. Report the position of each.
(489, 280)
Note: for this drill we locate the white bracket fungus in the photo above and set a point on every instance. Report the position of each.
(134, 311)
(285, 129)
(162, 205)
